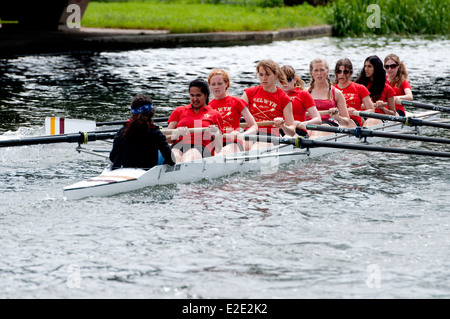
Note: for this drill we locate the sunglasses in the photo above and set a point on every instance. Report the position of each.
(340, 71)
(390, 66)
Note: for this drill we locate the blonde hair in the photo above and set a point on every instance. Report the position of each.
(402, 74)
(289, 71)
(269, 65)
(221, 73)
(311, 67)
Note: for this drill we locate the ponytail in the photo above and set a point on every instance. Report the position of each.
(274, 68)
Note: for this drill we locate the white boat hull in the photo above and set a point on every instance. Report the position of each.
(112, 182)
(265, 160)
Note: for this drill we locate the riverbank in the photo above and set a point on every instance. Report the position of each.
(197, 16)
(100, 39)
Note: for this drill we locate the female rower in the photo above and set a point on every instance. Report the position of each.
(197, 114)
(270, 103)
(231, 108)
(139, 143)
(397, 77)
(327, 98)
(302, 101)
(356, 95)
(373, 76)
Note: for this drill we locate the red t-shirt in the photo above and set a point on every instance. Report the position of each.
(354, 93)
(301, 102)
(401, 91)
(265, 106)
(186, 116)
(230, 108)
(385, 95)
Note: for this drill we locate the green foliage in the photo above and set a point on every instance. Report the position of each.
(178, 17)
(406, 17)
(348, 17)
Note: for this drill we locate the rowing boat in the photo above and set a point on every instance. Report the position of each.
(266, 160)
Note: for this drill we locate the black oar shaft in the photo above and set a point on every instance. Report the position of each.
(156, 120)
(409, 121)
(110, 123)
(307, 143)
(311, 143)
(81, 138)
(363, 132)
(426, 106)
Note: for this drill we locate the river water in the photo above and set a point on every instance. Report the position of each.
(348, 225)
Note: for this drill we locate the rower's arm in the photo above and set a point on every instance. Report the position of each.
(288, 126)
(390, 110)
(368, 104)
(245, 97)
(250, 120)
(408, 96)
(343, 118)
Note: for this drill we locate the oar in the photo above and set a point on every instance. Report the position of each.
(410, 121)
(191, 130)
(156, 120)
(202, 129)
(81, 138)
(364, 132)
(303, 143)
(426, 106)
(61, 125)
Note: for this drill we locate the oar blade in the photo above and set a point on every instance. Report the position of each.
(61, 125)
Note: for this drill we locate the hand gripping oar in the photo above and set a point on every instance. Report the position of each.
(364, 132)
(80, 138)
(410, 121)
(426, 106)
(304, 143)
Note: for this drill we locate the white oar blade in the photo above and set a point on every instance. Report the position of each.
(61, 125)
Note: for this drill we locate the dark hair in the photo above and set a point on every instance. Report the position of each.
(140, 124)
(203, 86)
(379, 77)
(289, 71)
(345, 63)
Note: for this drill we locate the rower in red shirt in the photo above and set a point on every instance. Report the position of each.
(269, 103)
(327, 98)
(373, 76)
(302, 101)
(198, 114)
(397, 76)
(231, 108)
(357, 97)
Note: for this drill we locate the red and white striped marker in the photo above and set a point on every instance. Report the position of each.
(61, 125)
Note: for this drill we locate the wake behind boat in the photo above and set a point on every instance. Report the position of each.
(111, 182)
